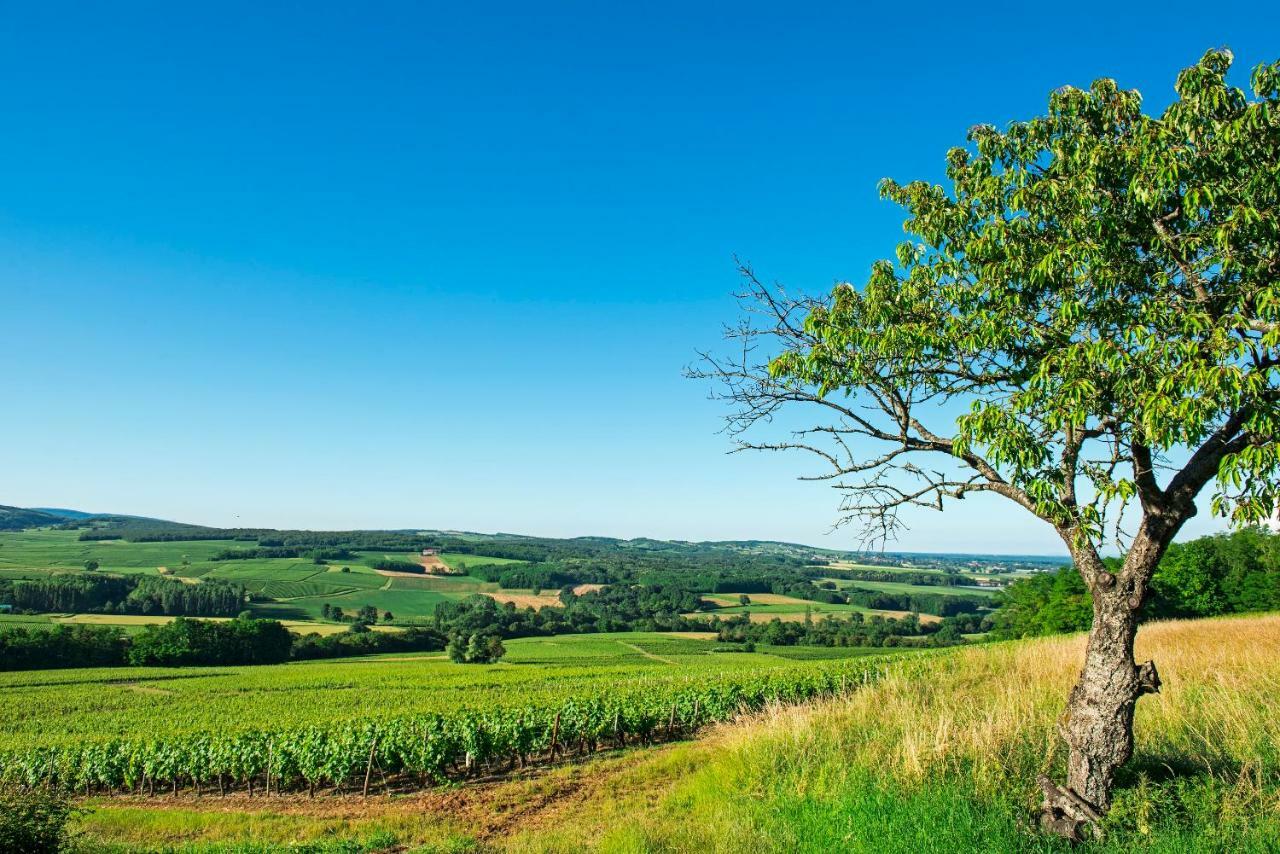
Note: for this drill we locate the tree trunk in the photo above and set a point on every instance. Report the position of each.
(1098, 725)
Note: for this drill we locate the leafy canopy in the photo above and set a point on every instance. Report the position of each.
(1103, 288)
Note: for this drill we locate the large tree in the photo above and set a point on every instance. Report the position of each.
(1086, 322)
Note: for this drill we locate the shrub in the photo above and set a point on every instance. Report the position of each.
(476, 649)
(33, 821)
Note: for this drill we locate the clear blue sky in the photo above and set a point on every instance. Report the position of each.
(440, 265)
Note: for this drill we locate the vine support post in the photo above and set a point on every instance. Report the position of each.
(555, 735)
(368, 767)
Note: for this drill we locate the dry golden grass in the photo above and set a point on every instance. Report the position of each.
(525, 600)
(758, 599)
(990, 711)
(941, 752)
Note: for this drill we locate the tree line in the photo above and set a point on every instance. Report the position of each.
(856, 630)
(190, 642)
(89, 593)
(1229, 573)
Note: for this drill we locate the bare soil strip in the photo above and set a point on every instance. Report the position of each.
(529, 800)
(645, 652)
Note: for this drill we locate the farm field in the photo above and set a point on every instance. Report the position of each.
(293, 590)
(32, 553)
(296, 590)
(939, 753)
(68, 706)
(769, 606)
(900, 587)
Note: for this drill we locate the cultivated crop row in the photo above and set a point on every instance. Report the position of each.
(422, 748)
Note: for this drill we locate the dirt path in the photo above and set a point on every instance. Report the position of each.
(434, 565)
(529, 801)
(645, 652)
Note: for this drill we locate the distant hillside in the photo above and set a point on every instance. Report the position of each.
(518, 546)
(21, 518)
(18, 518)
(63, 512)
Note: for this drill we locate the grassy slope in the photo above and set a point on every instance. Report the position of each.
(938, 756)
(942, 756)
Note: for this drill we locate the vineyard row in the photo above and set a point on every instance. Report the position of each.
(424, 748)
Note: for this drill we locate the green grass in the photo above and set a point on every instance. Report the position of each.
(34, 553)
(900, 587)
(459, 562)
(24, 620)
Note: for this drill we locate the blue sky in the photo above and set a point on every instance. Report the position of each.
(440, 265)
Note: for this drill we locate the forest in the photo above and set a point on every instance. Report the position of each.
(1230, 573)
(92, 593)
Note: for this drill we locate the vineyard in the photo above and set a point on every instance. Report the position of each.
(421, 749)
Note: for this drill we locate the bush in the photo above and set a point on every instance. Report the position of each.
(476, 649)
(33, 821)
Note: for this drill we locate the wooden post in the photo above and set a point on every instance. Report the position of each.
(694, 725)
(368, 768)
(267, 793)
(671, 722)
(555, 735)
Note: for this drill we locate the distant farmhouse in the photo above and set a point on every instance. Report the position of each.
(430, 552)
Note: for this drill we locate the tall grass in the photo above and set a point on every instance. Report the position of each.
(941, 754)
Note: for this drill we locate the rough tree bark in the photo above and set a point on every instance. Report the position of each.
(1098, 724)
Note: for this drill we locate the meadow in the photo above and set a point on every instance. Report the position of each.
(938, 753)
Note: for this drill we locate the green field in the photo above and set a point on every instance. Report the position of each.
(767, 606)
(899, 587)
(294, 589)
(936, 752)
(297, 589)
(57, 707)
(32, 553)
